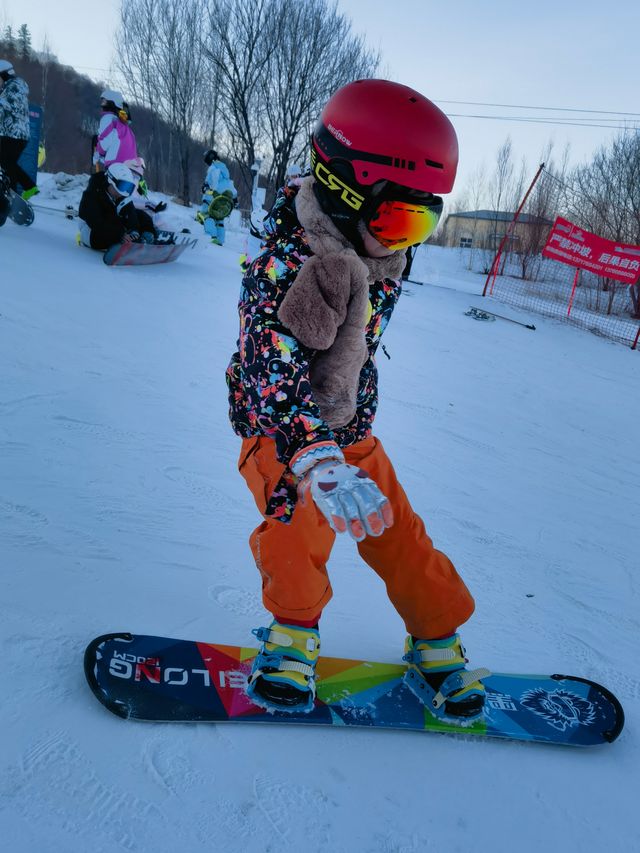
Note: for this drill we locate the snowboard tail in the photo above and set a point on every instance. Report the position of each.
(20, 211)
(161, 679)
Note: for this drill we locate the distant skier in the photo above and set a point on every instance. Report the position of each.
(115, 141)
(294, 172)
(303, 394)
(107, 211)
(14, 128)
(219, 197)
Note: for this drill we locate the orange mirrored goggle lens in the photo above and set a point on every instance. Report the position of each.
(399, 224)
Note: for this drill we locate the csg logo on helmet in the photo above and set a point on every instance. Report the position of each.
(332, 182)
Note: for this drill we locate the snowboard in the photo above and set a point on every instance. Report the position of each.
(20, 211)
(221, 206)
(140, 677)
(137, 254)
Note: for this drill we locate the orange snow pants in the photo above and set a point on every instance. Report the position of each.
(421, 582)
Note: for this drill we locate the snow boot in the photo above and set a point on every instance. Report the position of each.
(438, 676)
(283, 673)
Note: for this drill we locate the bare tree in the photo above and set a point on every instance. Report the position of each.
(608, 199)
(162, 61)
(236, 44)
(313, 52)
(277, 62)
(250, 76)
(499, 187)
(546, 201)
(472, 199)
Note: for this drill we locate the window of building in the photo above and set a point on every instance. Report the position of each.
(466, 242)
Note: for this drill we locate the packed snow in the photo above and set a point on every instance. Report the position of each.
(121, 509)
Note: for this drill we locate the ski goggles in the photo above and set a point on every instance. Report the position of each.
(125, 188)
(397, 223)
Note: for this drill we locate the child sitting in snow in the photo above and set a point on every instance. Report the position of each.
(108, 214)
(303, 395)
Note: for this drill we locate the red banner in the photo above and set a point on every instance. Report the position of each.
(572, 245)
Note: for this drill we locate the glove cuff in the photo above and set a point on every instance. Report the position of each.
(304, 460)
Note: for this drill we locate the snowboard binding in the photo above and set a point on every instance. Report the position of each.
(438, 677)
(283, 673)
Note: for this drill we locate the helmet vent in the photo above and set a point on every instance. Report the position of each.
(398, 163)
(434, 164)
(413, 100)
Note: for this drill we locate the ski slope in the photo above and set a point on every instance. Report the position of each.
(121, 509)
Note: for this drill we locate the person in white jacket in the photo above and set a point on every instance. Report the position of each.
(115, 141)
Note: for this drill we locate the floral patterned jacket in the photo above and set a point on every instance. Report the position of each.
(14, 109)
(270, 391)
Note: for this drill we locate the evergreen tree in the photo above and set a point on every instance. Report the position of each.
(24, 42)
(8, 37)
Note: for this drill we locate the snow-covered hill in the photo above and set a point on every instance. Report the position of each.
(121, 509)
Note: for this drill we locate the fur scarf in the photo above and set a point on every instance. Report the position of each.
(326, 307)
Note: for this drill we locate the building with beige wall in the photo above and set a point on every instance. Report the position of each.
(484, 229)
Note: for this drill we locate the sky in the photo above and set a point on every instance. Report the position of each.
(578, 55)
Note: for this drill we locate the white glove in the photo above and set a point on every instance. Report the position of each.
(348, 498)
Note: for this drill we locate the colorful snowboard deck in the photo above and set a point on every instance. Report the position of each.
(142, 254)
(160, 679)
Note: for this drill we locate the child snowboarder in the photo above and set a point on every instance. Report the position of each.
(108, 214)
(303, 394)
(115, 141)
(218, 197)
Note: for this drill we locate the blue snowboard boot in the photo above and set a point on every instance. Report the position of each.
(438, 676)
(283, 673)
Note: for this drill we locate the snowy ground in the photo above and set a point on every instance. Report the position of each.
(121, 509)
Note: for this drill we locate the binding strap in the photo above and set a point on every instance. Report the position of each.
(433, 655)
(458, 681)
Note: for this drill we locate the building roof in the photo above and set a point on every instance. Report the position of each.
(499, 216)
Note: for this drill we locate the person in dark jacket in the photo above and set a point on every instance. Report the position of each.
(14, 127)
(303, 394)
(107, 211)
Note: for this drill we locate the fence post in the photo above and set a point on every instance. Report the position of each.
(573, 290)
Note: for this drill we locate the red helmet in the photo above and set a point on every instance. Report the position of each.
(383, 131)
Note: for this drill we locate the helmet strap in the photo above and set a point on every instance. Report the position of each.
(346, 222)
